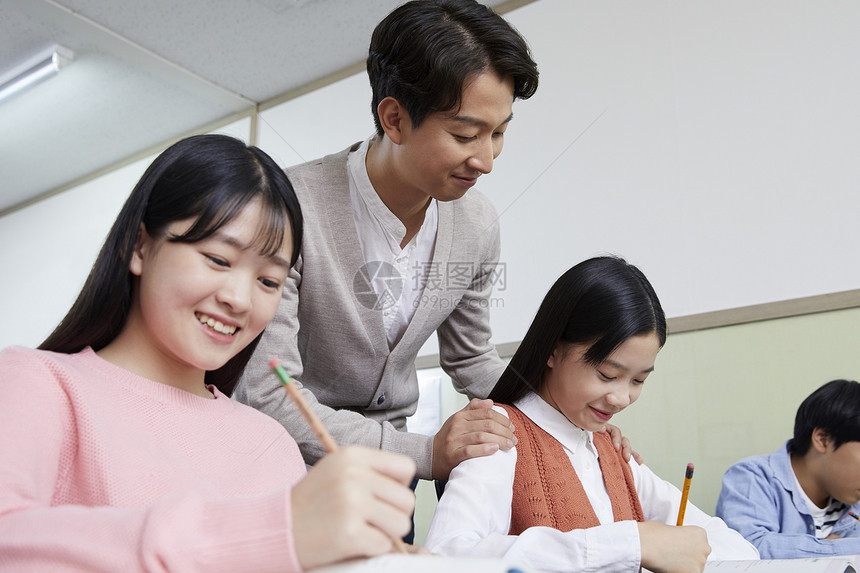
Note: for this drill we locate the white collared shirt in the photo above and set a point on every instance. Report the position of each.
(380, 233)
(474, 515)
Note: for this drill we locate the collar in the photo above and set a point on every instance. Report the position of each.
(555, 423)
(357, 165)
(780, 463)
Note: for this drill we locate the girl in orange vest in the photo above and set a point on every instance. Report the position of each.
(563, 499)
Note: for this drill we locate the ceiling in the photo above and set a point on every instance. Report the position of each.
(145, 73)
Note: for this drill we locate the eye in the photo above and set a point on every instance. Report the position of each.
(638, 382)
(605, 377)
(465, 138)
(269, 283)
(217, 260)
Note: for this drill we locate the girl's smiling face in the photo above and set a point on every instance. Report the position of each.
(196, 305)
(589, 395)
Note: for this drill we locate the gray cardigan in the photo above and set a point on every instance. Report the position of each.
(335, 347)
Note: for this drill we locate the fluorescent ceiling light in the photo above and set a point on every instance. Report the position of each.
(43, 65)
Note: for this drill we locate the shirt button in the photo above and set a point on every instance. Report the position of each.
(381, 399)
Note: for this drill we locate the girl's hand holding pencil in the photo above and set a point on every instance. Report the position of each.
(355, 502)
(360, 497)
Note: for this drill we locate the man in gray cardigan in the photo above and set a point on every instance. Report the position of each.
(397, 246)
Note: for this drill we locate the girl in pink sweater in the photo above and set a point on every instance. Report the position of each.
(119, 448)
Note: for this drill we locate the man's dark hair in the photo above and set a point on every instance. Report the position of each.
(425, 52)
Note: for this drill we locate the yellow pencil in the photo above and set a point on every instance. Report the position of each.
(685, 493)
(316, 424)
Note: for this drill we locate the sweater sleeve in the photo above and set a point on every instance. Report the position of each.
(465, 351)
(260, 389)
(179, 531)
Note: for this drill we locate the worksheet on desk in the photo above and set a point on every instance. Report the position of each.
(399, 563)
(841, 564)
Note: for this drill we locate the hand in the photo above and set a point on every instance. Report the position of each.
(622, 443)
(670, 549)
(351, 504)
(476, 430)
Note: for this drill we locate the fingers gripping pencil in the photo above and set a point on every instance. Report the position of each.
(316, 424)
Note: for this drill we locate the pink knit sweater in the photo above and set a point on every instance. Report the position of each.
(102, 470)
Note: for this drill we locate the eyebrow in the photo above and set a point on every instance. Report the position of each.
(474, 121)
(233, 242)
(622, 367)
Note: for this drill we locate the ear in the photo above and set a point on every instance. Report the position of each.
(821, 440)
(555, 357)
(141, 247)
(393, 118)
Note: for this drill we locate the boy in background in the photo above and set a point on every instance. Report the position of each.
(797, 502)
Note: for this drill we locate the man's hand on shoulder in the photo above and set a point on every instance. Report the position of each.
(476, 430)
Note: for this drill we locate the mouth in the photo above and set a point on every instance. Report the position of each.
(466, 180)
(217, 325)
(601, 415)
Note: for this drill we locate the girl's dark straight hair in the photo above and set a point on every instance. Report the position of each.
(208, 178)
(600, 302)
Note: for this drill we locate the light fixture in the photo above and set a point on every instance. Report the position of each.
(43, 65)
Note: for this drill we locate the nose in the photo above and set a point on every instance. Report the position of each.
(236, 293)
(619, 398)
(482, 159)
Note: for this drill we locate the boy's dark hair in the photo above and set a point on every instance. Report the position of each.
(835, 408)
(424, 52)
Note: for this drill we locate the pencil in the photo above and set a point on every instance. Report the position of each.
(685, 493)
(316, 425)
(854, 515)
(310, 417)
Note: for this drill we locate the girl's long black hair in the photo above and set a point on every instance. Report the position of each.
(209, 178)
(600, 302)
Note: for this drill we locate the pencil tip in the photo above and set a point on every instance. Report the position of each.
(274, 363)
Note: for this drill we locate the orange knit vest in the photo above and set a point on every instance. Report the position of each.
(547, 490)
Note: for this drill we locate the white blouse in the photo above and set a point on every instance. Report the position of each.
(473, 517)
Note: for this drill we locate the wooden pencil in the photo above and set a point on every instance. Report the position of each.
(685, 493)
